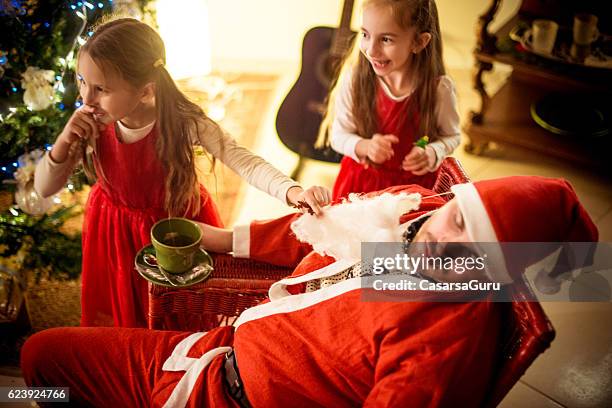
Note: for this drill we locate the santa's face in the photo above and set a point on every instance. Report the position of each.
(444, 234)
(445, 225)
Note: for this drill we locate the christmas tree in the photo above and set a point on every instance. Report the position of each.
(38, 94)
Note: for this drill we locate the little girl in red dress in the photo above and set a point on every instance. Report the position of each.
(392, 91)
(136, 132)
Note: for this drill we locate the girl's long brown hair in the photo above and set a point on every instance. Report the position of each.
(426, 67)
(136, 52)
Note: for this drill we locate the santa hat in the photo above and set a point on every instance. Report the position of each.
(521, 209)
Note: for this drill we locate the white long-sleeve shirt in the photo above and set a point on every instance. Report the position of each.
(51, 177)
(344, 137)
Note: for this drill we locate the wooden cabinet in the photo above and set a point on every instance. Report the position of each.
(505, 116)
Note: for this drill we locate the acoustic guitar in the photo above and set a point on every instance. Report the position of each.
(299, 116)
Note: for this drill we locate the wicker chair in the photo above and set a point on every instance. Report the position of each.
(238, 284)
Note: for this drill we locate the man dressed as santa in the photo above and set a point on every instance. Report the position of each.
(316, 342)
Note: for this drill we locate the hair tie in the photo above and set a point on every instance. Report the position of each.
(158, 63)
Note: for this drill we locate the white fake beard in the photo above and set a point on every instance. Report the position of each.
(342, 228)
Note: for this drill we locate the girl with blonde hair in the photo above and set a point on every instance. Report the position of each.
(138, 130)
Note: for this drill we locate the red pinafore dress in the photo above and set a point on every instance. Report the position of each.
(392, 118)
(123, 204)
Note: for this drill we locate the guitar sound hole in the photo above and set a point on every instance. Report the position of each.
(326, 69)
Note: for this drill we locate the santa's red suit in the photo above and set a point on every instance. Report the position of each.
(322, 348)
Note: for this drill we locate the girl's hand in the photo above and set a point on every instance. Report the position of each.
(216, 239)
(379, 148)
(80, 126)
(419, 161)
(316, 197)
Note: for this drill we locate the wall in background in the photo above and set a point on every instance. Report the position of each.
(266, 35)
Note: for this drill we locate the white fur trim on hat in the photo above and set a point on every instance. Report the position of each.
(475, 216)
(480, 230)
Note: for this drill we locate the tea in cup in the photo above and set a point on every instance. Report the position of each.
(176, 242)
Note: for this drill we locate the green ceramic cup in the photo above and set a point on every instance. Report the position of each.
(176, 242)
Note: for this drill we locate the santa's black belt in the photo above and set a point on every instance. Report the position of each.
(233, 381)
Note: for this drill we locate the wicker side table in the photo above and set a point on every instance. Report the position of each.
(235, 285)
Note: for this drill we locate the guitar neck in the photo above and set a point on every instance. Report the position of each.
(347, 13)
(343, 33)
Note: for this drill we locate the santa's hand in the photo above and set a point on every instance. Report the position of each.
(419, 160)
(314, 197)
